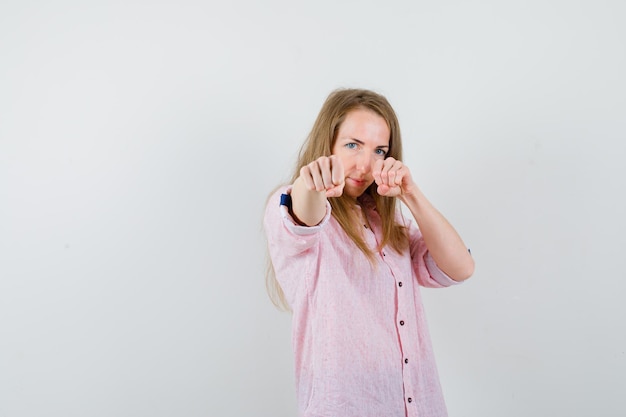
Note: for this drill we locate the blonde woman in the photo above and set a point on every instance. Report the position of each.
(349, 265)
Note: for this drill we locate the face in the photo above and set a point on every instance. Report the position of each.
(363, 138)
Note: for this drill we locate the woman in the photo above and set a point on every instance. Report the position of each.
(349, 265)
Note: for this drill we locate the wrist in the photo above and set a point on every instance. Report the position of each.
(411, 194)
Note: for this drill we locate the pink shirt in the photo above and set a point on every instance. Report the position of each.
(360, 338)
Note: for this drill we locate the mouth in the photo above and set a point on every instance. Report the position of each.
(357, 182)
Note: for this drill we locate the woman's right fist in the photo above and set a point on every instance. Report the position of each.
(324, 174)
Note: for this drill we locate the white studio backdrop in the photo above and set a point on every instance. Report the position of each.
(139, 140)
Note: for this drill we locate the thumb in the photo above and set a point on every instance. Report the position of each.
(336, 191)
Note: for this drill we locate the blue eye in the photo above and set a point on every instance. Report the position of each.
(381, 152)
(351, 145)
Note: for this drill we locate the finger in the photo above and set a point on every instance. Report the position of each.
(325, 172)
(400, 173)
(376, 170)
(316, 176)
(406, 179)
(305, 174)
(384, 174)
(338, 177)
(391, 176)
(396, 173)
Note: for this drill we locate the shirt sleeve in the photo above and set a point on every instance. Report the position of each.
(293, 248)
(427, 272)
(285, 236)
(437, 274)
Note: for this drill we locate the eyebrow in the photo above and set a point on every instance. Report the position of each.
(360, 142)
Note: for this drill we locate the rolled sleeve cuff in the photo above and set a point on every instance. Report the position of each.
(437, 274)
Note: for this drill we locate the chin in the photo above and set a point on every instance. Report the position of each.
(354, 193)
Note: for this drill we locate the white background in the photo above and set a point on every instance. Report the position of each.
(139, 140)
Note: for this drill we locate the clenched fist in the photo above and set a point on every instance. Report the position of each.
(392, 177)
(324, 174)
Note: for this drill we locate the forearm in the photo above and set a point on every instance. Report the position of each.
(442, 240)
(308, 206)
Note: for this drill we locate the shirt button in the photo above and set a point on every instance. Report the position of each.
(401, 322)
(406, 361)
(399, 284)
(410, 400)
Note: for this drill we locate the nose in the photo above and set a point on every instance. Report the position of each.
(364, 162)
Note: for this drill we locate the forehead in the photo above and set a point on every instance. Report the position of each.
(365, 125)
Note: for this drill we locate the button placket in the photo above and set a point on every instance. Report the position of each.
(405, 339)
(404, 313)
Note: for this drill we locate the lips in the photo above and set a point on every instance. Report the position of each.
(357, 182)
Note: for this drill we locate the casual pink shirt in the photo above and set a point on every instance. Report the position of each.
(359, 333)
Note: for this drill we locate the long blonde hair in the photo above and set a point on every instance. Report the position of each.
(320, 142)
